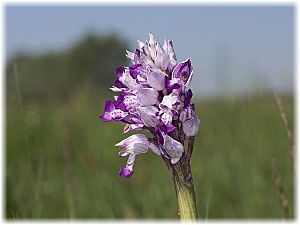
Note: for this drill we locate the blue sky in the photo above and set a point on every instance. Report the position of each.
(234, 49)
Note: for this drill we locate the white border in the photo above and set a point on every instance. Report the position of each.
(152, 2)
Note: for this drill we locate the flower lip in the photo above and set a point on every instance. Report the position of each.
(125, 172)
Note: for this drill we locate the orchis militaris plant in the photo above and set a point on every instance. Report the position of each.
(154, 97)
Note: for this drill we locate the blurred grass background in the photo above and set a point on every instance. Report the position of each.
(61, 161)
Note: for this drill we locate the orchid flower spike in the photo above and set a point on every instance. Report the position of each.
(153, 97)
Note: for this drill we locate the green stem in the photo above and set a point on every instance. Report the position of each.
(187, 209)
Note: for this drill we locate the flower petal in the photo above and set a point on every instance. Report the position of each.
(133, 139)
(156, 79)
(173, 147)
(151, 46)
(148, 115)
(135, 144)
(184, 71)
(147, 96)
(111, 113)
(162, 59)
(187, 100)
(128, 80)
(172, 84)
(191, 126)
(155, 148)
(130, 127)
(172, 101)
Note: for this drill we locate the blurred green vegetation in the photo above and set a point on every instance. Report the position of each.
(54, 76)
(61, 161)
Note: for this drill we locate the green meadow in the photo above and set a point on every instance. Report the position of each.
(61, 162)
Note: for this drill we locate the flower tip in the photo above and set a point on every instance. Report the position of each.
(125, 172)
(105, 118)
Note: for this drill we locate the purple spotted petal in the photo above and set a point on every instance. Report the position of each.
(119, 102)
(112, 113)
(127, 101)
(166, 117)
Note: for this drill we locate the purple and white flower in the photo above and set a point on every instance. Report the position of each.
(153, 96)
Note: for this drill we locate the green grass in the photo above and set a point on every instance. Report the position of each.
(231, 163)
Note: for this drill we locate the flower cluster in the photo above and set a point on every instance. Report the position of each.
(153, 97)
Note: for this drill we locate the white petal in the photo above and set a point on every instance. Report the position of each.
(132, 139)
(130, 161)
(167, 117)
(165, 46)
(155, 148)
(128, 81)
(183, 115)
(156, 79)
(191, 126)
(170, 100)
(148, 115)
(147, 96)
(151, 46)
(162, 58)
(130, 55)
(130, 127)
(173, 147)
